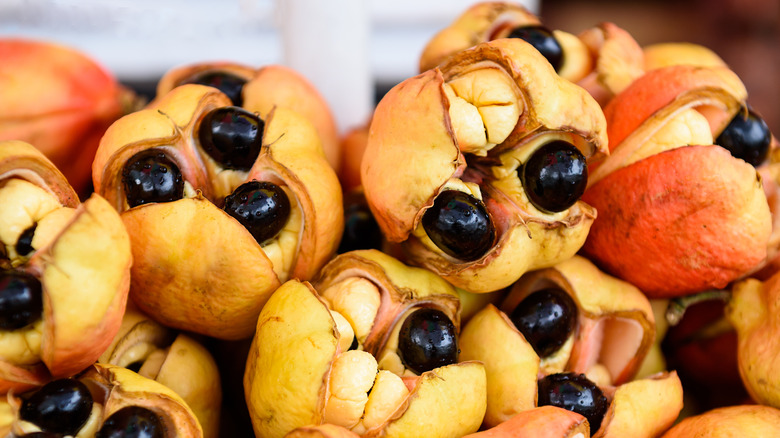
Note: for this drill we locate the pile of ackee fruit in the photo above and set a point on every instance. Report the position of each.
(540, 235)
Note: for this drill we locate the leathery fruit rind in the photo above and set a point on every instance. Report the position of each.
(174, 241)
(681, 228)
(752, 310)
(615, 328)
(400, 288)
(173, 359)
(82, 259)
(748, 421)
(412, 139)
(113, 388)
(268, 87)
(541, 422)
(288, 376)
(61, 101)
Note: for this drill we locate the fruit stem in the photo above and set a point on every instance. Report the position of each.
(678, 306)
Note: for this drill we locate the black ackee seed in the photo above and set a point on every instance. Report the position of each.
(151, 176)
(459, 225)
(546, 318)
(427, 340)
(21, 300)
(543, 40)
(61, 406)
(232, 136)
(24, 244)
(132, 422)
(262, 207)
(555, 176)
(361, 230)
(576, 393)
(747, 137)
(228, 83)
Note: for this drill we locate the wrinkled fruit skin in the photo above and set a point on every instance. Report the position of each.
(657, 197)
(174, 243)
(525, 237)
(59, 100)
(114, 388)
(82, 259)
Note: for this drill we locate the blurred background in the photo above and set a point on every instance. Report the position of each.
(354, 50)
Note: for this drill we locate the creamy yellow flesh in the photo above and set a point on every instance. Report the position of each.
(22, 205)
(485, 105)
(357, 299)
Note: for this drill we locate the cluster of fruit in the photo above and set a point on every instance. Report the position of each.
(498, 252)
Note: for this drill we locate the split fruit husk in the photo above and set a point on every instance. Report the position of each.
(420, 136)
(744, 421)
(752, 310)
(293, 379)
(61, 101)
(264, 88)
(113, 388)
(187, 272)
(80, 254)
(173, 359)
(667, 223)
(615, 329)
(541, 422)
(603, 59)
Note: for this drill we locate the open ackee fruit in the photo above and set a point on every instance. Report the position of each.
(572, 329)
(173, 359)
(64, 272)
(308, 365)
(493, 165)
(667, 222)
(603, 59)
(259, 90)
(104, 401)
(222, 206)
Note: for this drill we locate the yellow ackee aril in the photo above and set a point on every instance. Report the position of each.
(387, 394)
(23, 346)
(346, 334)
(484, 108)
(351, 377)
(357, 299)
(22, 204)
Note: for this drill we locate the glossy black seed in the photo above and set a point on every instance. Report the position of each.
(232, 136)
(555, 176)
(61, 406)
(747, 137)
(427, 340)
(132, 422)
(228, 83)
(262, 207)
(21, 300)
(361, 230)
(546, 318)
(576, 393)
(354, 345)
(150, 176)
(459, 225)
(24, 244)
(543, 40)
